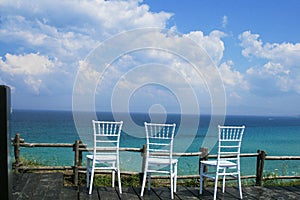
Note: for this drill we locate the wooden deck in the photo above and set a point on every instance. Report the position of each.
(49, 186)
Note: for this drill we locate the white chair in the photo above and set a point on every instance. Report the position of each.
(228, 159)
(158, 158)
(105, 151)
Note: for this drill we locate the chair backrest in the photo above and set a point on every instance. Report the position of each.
(159, 139)
(106, 137)
(229, 142)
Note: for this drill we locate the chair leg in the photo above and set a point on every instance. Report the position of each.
(216, 185)
(113, 175)
(144, 183)
(113, 178)
(91, 180)
(172, 186)
(240, 186)
(119, 181)
(201, 178)
(175, 178)
(224, 178)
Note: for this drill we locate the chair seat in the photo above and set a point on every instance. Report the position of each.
(222, 163)
(161, 161)
(103, 158)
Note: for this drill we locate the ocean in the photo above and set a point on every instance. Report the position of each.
(278, 136)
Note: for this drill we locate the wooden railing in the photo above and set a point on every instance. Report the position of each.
(78, 148)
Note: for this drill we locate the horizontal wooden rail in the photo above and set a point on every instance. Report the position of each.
(44, 168)
(46, 145)
(282, 158)
(241, 155)
(132, 149)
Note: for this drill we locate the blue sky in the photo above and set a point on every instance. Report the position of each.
(253, 44)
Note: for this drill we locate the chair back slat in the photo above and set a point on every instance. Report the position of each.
(229, 140)
(106, 137)
(160, 138)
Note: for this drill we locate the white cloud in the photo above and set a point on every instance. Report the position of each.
(46, 40)
(212, 43)
(181, 46)
(251, 44)
(281, 70)
(236, 85)
(232, 78)
(173, 60)
(34, 83)
(28, 64)
(285, 53)
(224, 21)
(27, 71)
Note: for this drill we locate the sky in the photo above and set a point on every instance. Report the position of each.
(253, 47)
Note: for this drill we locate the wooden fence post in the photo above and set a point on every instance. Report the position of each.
(203, 156)
(16, 144)
(76, 161)
(260, 163)
(80, 154)
(257, 167)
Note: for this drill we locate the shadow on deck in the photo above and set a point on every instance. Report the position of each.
(49, 186)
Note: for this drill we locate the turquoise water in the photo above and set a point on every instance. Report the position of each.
(276, 135)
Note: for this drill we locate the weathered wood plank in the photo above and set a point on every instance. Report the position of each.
(164, 193)
(147, 194)
(40, 191)
(292, 189)
(18, 184)
(48, 186)
(266, 193)
(185, 194)
(279, 190)
(227, 195)
(84, 195)
(107, 193)
(30, 182)
(55, 187)
(230, 193)
(246, 195)
(129, 193)
(297, 186)
(68, 193)
(37, 186)
(207, 193)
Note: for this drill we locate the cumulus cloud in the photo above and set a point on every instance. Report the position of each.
(169, 48)
(29, 69)
(231, 77)
(286, 53)
(44, 43)
(235, 83)
(28, 64)
(52, 37)
(280, 71)
(212, 43)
